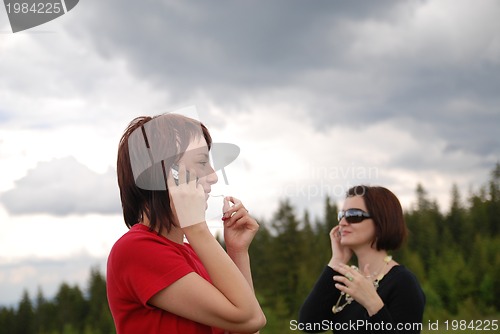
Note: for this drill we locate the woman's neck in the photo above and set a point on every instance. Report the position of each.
(176, 235)
(375, 260)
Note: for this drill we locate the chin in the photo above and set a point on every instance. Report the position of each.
(346, 243)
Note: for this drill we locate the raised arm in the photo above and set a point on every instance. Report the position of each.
(229, 302)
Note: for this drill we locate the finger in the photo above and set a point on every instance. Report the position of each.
(341, 268)
(236, 204)
(341, 279)
(226, 207)
(236, 222)
(240, 215)
(342, 288)
(192, 179)
(233, 200)
(235, 217)
(336, 232)
(350, 273)
(235, 208)
(182, 173)
(341, 283)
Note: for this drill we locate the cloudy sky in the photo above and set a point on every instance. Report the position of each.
(318, 95)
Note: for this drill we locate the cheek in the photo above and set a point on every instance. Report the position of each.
(364, 234)
(202, 171)
(370, 231)
(373, 237)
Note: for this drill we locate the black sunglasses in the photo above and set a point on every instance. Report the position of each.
(353, 216)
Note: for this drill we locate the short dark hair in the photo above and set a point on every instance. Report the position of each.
(176, 131)
(387, 214)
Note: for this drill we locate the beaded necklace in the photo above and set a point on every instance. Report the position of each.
(348, 299)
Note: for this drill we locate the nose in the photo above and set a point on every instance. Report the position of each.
(343, 222)
(212, 177)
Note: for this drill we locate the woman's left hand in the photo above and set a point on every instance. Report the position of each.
(359, 287)
(239, 227)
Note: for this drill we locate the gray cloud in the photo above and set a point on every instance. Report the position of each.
(214, 46)
(350, 63)
(416, 66)
(61, 187)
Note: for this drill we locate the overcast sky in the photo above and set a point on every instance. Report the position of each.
(318, 95)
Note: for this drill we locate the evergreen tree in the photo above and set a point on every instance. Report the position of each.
(99, 320)
(44, 314)
(423, 224)
(458, 224)
(7, 320)
(262, 262)
(71, 308)
(25, 319)
(288, 252)
(493, 206)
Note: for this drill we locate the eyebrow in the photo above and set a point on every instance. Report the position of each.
(204, 155)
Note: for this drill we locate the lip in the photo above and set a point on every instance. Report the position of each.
(344, 233)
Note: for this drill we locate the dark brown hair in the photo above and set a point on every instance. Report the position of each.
(387, 214)
(176, 131)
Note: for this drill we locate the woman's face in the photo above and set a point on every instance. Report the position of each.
(196, 158)
(359, 234)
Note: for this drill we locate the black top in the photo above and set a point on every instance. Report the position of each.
(403, 309)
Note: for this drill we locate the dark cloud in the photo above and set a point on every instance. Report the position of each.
(348, 62)
(61, 187)
(221, 45)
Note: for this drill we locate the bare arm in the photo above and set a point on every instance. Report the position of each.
(229, 302)
(239, 230)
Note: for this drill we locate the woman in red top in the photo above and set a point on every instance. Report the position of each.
(157, 283)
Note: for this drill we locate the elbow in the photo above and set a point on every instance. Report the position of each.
(250, 324)
(256, 323)
(260, 321)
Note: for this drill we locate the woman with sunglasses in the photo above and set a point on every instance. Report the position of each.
(377, 295)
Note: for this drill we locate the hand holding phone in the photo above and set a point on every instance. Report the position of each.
(188, 198)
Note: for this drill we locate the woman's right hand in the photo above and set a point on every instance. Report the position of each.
(188, 198)
(340, 253)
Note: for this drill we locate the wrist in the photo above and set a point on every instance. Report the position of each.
(200, 227)
(335, 261)
(374, 306)
(236, 252)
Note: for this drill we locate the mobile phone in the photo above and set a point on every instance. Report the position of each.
(175, 174)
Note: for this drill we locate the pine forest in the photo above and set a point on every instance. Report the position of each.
(455, 255)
